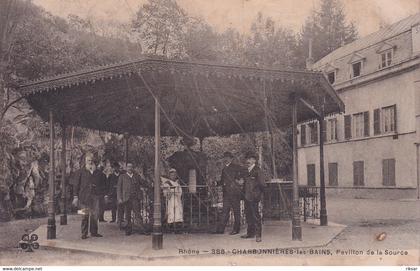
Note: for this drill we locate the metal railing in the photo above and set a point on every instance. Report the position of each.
(201, 209)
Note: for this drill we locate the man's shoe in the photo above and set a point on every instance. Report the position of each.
(247, 236)
(96, 235)
(218, 232)
(84, 236)
(112, 221)
(103, 220)
(258, 239)
(234, 232)
(128, 233)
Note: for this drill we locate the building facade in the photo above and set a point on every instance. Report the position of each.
(371, 150)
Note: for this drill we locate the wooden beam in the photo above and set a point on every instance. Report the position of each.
(157, 236)
(296, 227)
(51, 228)
(310, 107)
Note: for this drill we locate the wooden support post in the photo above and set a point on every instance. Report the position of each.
(323, 211)
(126, 136)
(51, 228)
(296, 227)
(273, 153)
(157, 236)
(63, 218)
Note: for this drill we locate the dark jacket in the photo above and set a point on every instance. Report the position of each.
(101, 184)
(86, 185)
(254, 184)
(129, 188)
(112, 183)
(228, 180)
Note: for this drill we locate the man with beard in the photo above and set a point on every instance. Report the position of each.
(253, 189)
(86, 196)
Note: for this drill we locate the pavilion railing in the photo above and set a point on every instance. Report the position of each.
(202, 208)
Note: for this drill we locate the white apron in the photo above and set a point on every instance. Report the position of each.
(173, 194)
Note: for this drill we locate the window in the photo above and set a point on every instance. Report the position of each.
(333, 174)
(313, 130)
(310, 170)
(386, 58)
(358, 173)
(388, 119)
(356, 69)
(388, 172)
(360, 124)
(331, 130)
(385, 120)
(331, 77)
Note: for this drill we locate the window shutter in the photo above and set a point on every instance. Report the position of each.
(395, 119)
(366, 122)
(336, 129)
(358, 173)
(388, 172)
(355, 174)
(315, 133)
(347, 126)
(333, 174)
(385, 179)
(311, 174)
(376, 121)
(391, 172)
(303, 135)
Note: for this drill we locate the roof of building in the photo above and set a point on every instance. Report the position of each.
(195, 98)
(371, 39)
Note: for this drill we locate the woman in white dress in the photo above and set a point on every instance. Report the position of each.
(172, 191)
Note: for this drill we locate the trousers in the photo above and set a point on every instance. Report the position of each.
(253, 218)
(90, 219)
(231, 202)
(126, 209)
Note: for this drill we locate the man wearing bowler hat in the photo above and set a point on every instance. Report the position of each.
(253, 189)
(231, 181)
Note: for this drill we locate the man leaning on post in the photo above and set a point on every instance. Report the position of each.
(253, 189)
(85, 196)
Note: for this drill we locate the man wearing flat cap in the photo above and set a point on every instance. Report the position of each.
(231, 181)
(253, 189)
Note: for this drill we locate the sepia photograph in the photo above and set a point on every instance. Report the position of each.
(234, 133)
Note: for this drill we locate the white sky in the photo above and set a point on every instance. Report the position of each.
(367, 14)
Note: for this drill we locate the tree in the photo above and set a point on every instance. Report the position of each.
(328, 29)
(160, 25)
(269, 45)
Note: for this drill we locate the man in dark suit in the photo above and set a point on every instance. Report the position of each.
(85, 187)
(253, 189)
(231, 181)
(128, 186)
(112, 190)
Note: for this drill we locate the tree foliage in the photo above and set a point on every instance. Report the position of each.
(328, 29)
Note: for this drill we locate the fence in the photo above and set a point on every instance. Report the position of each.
(184, 210)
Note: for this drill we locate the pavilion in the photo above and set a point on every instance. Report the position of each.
(159, 97)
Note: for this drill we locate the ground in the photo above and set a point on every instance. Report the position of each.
(397, 220)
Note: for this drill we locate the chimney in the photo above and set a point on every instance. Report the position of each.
(309, 60)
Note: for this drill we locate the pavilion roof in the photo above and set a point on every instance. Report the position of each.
(198, 99)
